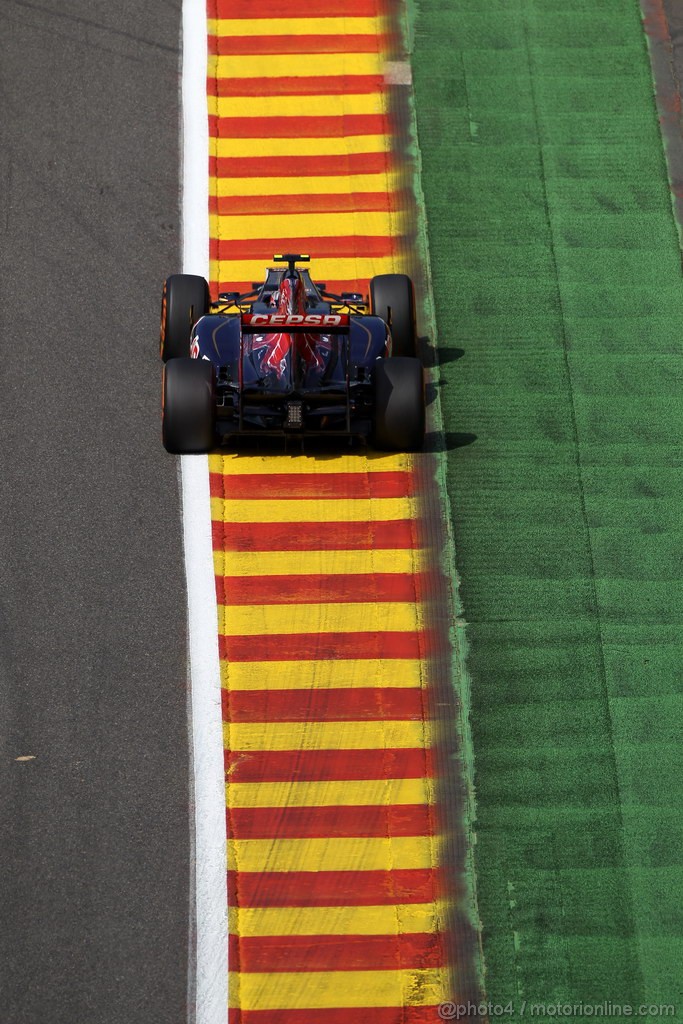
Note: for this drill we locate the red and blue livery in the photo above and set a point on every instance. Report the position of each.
(290, 359)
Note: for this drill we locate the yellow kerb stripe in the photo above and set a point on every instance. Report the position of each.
(373, 854)
(366, 792)
(295, 990)
(401, 919)
(303, 675)
(291, 65)
(305, 563)
(310, 510)
(312, 106)
(294, 26)
(299, 146)
(234, 464)
(331, 184)
(307, 225)
(262, 620)
(244, 736)
(325, 269)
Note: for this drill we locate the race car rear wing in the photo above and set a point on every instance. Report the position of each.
(287, 323)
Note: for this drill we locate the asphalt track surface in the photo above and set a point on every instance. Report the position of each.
(93, 682)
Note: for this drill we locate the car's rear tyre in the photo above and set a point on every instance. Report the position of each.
(399, 414)
(392, 297)
(184, 299)
(189, 406)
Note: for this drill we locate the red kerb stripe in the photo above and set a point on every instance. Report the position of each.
(341, 247)
(281, 486)
(229, 9)
(259, 954)
(325, 127)
(372, 821)
(332, 888)
(264, 205)
(316, 589)
(327, 765)
(366, 1015)
(304, 85)
(400, 533)
(325, 646)
(322, 43)
(324, 705)
(344, 164)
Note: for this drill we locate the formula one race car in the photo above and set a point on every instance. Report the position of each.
(290, 359)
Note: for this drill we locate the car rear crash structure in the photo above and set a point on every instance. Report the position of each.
(290, 359)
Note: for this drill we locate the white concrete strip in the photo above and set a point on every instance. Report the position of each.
(208, 981)
(195, 141)
(398, 72)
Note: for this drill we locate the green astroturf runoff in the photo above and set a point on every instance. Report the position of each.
(559, 307)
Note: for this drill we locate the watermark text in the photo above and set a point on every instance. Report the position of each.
(527, 1008)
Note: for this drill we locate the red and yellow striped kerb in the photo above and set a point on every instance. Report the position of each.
(335, 910)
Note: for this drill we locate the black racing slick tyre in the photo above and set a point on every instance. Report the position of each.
(399, 413)
(392, 297)
(184, 299)
(189, 406)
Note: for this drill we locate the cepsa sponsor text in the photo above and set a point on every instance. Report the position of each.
(295, 319)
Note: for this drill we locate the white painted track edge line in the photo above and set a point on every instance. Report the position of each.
(208, 973)
(195, 141)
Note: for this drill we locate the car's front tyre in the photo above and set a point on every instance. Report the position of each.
(399, 405)
(189, 406)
